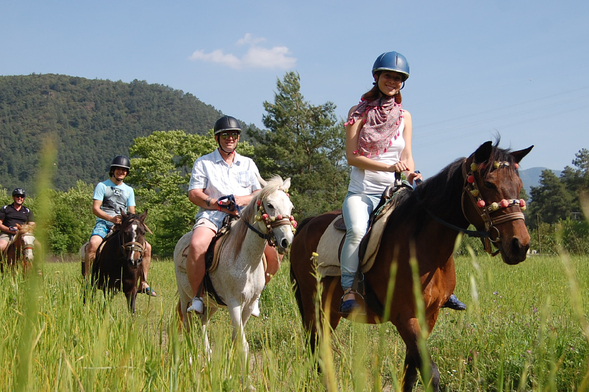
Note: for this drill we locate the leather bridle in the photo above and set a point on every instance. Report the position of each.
(470, 191)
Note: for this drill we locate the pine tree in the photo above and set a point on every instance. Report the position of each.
(306, 143)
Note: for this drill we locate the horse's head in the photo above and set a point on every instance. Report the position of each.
(274, 212)
(491, 200)
(25, 240)
(132, 232)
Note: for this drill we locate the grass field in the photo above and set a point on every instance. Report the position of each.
(525, 329)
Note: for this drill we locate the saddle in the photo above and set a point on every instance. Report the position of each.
(328, 261)
(212, 257)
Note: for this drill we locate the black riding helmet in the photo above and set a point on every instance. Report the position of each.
(226, 123)
(19, 192)
(119, 161)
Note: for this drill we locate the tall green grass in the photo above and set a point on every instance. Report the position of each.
(525, 330)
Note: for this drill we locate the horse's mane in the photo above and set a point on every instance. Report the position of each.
(27, 228)
(436, 191)
(239, 228)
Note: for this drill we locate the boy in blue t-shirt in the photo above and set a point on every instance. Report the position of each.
(110, 198)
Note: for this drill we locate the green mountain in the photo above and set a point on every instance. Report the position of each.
(91, 121)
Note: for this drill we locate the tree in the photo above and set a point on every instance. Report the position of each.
(576, 180)
(306, 143)
(551, 200)
(72, 218)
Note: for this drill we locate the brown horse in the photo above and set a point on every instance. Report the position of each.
(20, 250)
(118, 258)
(482, 190)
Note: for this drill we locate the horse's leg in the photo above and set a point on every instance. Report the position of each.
(238, 330)
(131, 299)
(410, 331)
(181, 315)
(208, 350)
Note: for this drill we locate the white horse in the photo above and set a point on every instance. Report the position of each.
(239, 277)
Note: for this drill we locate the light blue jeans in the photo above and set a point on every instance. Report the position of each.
(356, 210)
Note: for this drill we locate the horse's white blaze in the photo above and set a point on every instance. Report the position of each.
(133, 239)
(29, 241)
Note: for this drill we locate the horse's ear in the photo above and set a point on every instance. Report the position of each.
(123, 214)
(483, 152)
(261, 180)
(286, 184)
(519, 155)
(18, 226)
(143, 216)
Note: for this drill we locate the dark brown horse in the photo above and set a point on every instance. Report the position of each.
(19, 252)
(118, 258)
(482, 190)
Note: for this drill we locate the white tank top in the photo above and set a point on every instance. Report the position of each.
(374, 182)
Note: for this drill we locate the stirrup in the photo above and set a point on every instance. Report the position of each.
(350, 306)
(454, 303)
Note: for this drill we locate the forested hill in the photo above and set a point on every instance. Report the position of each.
(92, 120)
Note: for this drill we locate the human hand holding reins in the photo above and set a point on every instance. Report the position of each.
(415, 176)
(228, 205)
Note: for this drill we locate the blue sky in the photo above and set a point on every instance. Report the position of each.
(514, 68)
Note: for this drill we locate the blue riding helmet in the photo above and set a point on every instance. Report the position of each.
(391, 61)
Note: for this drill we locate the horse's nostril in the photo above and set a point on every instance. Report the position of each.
(284, 243)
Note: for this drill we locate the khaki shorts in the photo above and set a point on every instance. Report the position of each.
(203, 222)
(8, 237)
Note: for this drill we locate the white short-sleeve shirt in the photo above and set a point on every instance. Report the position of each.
(211, 173)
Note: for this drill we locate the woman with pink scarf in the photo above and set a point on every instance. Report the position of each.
(378, 144)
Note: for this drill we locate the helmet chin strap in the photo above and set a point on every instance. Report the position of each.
(226, 152)
(222, 149)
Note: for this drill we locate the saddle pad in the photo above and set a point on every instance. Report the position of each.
(184, 242)
(328, 263)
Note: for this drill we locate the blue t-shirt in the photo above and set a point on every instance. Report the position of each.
(114, 197)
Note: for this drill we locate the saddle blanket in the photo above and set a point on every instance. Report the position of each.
(328, 263)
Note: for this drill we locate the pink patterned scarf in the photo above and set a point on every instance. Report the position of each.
(381, 126)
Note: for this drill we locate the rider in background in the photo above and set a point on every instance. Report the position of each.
(12, 214)
(110, 197)
(378, 145)
(222, 172)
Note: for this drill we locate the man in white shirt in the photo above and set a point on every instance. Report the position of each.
(220, 173)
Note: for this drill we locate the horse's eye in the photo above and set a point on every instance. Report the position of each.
(490, 185)
(270, 206)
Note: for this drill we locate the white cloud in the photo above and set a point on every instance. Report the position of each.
(255, 57)
(217, 56)
(250, 39)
